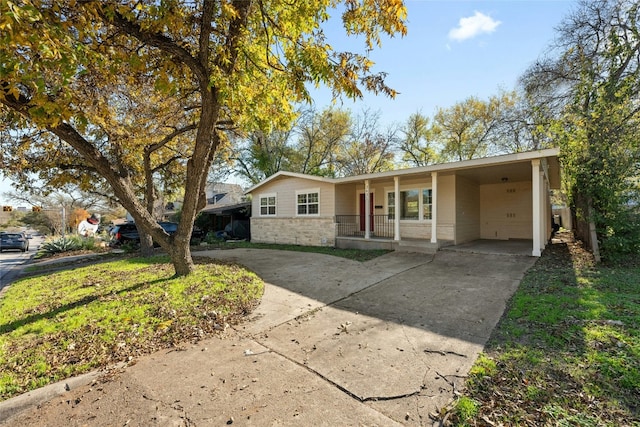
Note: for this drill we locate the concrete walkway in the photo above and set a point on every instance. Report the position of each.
(334, 342)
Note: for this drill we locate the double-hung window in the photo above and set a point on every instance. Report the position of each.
(308, 202)
(267, 205)
(415, 204)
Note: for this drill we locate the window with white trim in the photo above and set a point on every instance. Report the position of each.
(427, 203)
(415, 204)
(268, 204)
(410, 204)
(308, 202)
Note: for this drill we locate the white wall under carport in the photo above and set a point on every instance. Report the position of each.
(506, 211)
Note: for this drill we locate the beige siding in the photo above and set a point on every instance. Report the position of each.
(506, 211)
(285, 191)
(294, 231)
(345, 199)
(446, 232)
(415, 230)
(380, 200)
(446, 207)
(467, 210)
(286, 227)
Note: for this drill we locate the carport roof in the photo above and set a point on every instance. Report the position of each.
(487, 170)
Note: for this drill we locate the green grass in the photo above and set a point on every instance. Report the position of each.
(567, 350)
(353, 254)
(69, 322)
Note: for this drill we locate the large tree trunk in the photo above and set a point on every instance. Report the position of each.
(180, 254)
(146, 243)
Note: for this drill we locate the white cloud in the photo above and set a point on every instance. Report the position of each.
(473, 26)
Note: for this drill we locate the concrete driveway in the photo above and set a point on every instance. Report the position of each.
(334, 342)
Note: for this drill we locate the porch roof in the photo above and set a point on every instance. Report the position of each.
(484, 171)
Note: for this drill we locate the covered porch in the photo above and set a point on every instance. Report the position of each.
(503, 199)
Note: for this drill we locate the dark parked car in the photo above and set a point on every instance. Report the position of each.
(124, 233)
(14, 241)
(127, 233)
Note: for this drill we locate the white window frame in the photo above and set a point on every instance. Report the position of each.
(391, 213)
(275, 204)
(420, 191)
(422, 204)
(307, 204)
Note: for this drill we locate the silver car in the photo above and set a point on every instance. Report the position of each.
(14, 241)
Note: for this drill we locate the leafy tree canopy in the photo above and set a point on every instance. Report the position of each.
(75, 74)
(591, 84)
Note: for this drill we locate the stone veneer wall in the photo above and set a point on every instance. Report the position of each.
(294, 231)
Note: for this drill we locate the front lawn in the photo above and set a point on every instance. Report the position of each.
(567, 351)
(70, 322)
(352, 254)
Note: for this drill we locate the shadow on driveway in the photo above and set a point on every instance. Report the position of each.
(402, 327)
(333, 342)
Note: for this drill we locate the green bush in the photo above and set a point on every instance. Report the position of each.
(211, 238)
(88, 243)
(61, 244)
(622, 237)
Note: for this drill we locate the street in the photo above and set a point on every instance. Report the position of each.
(10, 260)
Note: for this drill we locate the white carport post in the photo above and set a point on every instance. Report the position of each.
(367, 211)
(396, 208)
(545, 211)
(537, 208)
(434, 207)
(545, 197)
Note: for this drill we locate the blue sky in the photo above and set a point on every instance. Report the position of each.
(454, 49)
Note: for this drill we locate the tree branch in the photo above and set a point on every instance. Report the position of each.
(157, 40)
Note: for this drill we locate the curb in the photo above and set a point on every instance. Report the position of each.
(12, 407)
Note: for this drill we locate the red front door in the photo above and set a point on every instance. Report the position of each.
(362, 212)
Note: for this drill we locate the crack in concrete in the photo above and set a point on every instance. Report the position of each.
(337, 385)
(254, 337)
(416, 353)
(444, 353)
(451, 383)
(176, 407)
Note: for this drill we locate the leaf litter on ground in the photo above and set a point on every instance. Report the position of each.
(567, 349)
(62, 324)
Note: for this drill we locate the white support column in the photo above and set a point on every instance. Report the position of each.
(545, 212)
(367, 211)
(545, 203)
(396, 209)
(434, 207)
(536, 198)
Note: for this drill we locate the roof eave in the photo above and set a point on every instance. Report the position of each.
(288, 174)
(451, 166)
